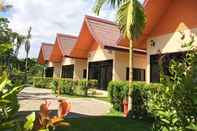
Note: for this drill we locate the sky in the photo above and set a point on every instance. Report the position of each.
(49, 17)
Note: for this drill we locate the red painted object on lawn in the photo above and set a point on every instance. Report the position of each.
(125, 105)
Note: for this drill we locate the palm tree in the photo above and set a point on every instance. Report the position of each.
(131, 19)
(20, 39)
(27, 49)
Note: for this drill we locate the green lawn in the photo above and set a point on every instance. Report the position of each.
(106, 123)
(113, 121)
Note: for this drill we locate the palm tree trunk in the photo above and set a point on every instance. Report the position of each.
(130, 73)
(26, 67)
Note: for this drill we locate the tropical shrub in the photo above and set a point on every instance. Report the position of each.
(140, 91)
(8, 104)
(81, 88)
(54, 85)
(66, 86)
(92, 83)
(118, 91)
(175, 106)
(140, 97)
(42, 82)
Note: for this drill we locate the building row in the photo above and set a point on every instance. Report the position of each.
(101, 52)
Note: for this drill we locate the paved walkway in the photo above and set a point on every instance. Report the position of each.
(31, 98)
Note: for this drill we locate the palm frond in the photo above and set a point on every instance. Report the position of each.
(19, 42)
(14, 91)
(131, 19)
(100, 3)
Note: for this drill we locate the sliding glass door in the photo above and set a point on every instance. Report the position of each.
(101, 71)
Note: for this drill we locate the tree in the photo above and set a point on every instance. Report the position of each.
(10, 43)
(131, 19)
(27, 48)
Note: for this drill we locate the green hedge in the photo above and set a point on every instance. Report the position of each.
(140, 97)
(119, 90)
(67, 86)
(42, 82)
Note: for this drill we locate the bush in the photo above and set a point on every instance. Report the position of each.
(81, 88)
(92, 83)
(53, 85)
(118, 91)
(66, 87)
(9, 104)
(175, 106)
(140, 97)
(42, 82)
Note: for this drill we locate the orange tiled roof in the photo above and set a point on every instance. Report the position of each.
(106, 33)
(66, 43)
(63, 46)
(45, 52)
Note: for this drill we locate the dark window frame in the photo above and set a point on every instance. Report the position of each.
(67, 71)
(84, 73)
(141, 73)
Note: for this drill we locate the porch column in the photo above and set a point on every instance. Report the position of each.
(148, 68)
(87, 70)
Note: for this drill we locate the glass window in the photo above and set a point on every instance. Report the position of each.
(67, 71)
(138, 74)
(84, 73)
(49, 72)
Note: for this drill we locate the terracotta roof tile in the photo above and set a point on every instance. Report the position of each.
(104, 32)
(47, 49)
(66, 43)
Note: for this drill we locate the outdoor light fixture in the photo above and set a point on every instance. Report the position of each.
(182, 35)
(152, 43)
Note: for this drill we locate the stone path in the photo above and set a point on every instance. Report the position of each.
(31, 98)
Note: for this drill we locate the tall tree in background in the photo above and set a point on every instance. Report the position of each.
(27, 49)
(131, 19)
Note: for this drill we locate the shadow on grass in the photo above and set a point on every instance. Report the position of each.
(106, 123)
(80, 122)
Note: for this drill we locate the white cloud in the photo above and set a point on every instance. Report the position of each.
(48, 17)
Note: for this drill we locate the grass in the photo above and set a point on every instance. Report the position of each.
(113, 121)
(106, 99)
(106, 123)
(115, 113)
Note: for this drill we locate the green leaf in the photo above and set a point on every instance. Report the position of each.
(8, 124)
(131, 19)
(28, 126)
(13, 91)
(4, 81)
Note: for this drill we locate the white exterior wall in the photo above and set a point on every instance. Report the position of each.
(168, 43)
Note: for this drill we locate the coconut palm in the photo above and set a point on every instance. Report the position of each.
(131, 19)
(27, 49)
